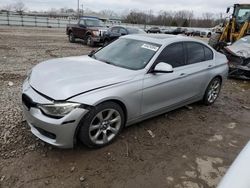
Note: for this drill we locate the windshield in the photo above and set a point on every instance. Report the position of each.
(243, 14)
(94, 23)
(127, 53)
(135, 31)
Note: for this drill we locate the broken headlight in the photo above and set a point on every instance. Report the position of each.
(58, 110)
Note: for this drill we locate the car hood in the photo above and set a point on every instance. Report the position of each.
(61, 79)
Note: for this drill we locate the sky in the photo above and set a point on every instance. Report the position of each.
(120, 6)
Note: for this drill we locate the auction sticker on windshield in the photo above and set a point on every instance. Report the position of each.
(150, 47)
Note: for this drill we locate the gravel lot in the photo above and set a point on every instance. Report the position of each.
(190, 147)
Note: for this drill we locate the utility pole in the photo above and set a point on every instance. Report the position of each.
(78, 13)
(82, 9)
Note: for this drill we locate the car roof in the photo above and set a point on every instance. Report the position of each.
(161, 38)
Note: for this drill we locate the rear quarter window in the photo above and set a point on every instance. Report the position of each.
(197, 52)
(208, 53)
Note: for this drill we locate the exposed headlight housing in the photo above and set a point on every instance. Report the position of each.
(28, 75)
(58, 110)
(96, 33)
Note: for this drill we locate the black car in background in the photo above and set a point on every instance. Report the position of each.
(154, 30)
(178, 31)
(115, 32)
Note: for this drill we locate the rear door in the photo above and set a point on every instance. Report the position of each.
(199, 65)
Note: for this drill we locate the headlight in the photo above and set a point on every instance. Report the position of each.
(96, 33)
(58, 109)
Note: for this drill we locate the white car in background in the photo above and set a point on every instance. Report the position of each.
(206, 33)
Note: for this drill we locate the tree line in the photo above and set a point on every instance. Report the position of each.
(182, 18)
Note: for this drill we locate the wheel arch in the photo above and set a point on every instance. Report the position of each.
(217, 76)
(69, 31)
(120, 103)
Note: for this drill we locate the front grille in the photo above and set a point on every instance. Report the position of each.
(46, 133)
(28, 101)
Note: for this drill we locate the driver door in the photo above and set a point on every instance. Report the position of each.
(161, 90)
(81, 29)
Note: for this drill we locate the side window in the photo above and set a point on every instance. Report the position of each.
(195, 52)
(123, 31)
(115, 30)
(173, 55)
(82, 22)
(208, 54)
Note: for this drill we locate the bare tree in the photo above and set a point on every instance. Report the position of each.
(108, 13)
(7, 7)
(19, 6)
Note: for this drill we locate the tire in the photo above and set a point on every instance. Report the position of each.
(209, 35)
(89, 41)
(97, 123)
(105, 43)
(214, 40)
(72, 38)
(212, 91)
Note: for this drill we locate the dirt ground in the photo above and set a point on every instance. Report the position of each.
(190, 147)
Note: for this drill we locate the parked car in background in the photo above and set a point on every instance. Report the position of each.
(167, 31)
(178, 31)
(205, 33)
(197, 33)
(90, 29)
(91, 98)
(238, 55)
(115, 32)
(154, 30)
(189, 32)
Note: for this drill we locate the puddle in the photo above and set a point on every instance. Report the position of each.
(231, 125)
(208, 172)
(216, 138)
(245, 85)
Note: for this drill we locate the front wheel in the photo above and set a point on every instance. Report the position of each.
(90, 41)
(212, 91)
(72, 38)
(101, 125)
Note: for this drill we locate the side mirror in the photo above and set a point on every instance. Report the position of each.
(228, 9)
(91, 53)
(163, 68)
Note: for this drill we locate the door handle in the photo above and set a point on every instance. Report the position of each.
(210, 66)
(182, 74)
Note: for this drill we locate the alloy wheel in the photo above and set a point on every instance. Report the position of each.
(105, 126)
(214, 91)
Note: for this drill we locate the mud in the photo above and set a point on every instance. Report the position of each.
(190, 147)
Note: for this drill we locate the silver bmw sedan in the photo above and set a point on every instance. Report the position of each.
(91, 98)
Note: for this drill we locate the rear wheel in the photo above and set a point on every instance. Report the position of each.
(101, 125)
(214, 40)
(212, 91)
